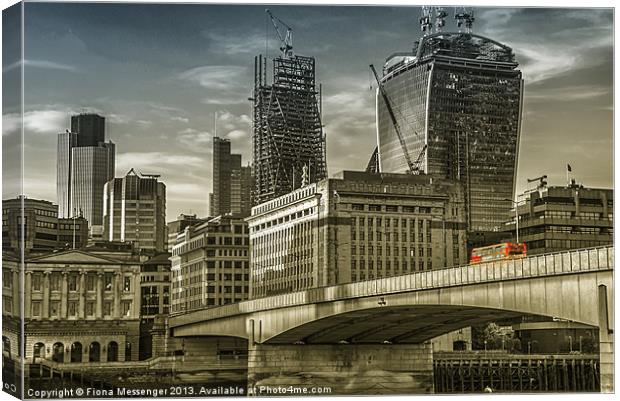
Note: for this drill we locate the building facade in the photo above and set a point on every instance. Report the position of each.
(135, 211)
(154, 298)
(231, 182)
(457, 98)
(85, 162)
(43, 230)
(358, 227)
(90, 129)
(287, 130)
(80, 306)
(176, 227)
(210, 264)
(558, 218)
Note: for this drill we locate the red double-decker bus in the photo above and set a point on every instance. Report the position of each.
(505, 250)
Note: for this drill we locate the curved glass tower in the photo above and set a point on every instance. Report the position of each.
(461, 95)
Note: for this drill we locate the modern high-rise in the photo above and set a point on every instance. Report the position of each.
(231, 182)
(359, 226)
(89, 127)
(85, 162)
(135, 211)
(287, 132)
(457, 99)
(91, 168)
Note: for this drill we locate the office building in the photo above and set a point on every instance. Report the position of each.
(287, 131)
(231, 182)
(85, 162)
(90, 129)
(558, 218)
(210, 264)
(457, 99)
(135, 211)
(80, 306)
(154, 298)
(176, 227)
(43, 230)
(356, 227)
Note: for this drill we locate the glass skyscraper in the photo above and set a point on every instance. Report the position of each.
(461, 95)
(85, 162)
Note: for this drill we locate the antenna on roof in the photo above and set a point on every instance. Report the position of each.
(425, 21)
(464, 17)
(440, 18)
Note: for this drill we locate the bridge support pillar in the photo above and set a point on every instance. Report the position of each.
(606, 342)
(343, 368)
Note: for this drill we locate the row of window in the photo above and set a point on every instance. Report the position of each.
(391, 208)
(281, 220)
(73, 306)
(73, 282)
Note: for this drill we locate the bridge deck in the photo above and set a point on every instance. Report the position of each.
(560, 263)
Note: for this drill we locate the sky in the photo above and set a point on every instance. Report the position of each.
(161, 73)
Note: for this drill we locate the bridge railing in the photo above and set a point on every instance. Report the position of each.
(565, 262)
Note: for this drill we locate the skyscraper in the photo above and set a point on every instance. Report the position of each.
(66, 142)
(89, 127)
(231, 182)
(134, 211)
(288, 133)
(85, 162)
(460, 94)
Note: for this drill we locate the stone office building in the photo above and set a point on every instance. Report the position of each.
(80, 306)
(356, 227)
(210, 264)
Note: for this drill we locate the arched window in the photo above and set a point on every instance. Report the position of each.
(128, 351)
(113, 351)
(76, 352)
(38, 350)
(94, 352)
(58, 352)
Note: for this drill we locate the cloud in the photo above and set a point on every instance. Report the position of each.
(568, 94)
(224, 84)
(231, 43)
(156, 162)
(237, 134)
(215, 77)
(194, 139)
(36, 122)
(40, 64)
(180, 119)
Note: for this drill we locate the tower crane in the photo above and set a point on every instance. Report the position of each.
(413, 166)
(286, 42)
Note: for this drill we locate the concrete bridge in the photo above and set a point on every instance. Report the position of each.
(371, 336)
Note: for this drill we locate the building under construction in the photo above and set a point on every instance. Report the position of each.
(288, 140)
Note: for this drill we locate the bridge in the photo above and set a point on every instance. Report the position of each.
(372, 336)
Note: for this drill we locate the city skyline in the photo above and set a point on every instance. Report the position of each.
(159, 87)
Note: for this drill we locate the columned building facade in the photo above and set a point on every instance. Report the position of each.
(80, 307)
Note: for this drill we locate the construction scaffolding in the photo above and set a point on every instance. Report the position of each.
(287, 131)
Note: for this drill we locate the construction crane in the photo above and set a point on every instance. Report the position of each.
(286, 42)
(414, 167)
